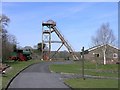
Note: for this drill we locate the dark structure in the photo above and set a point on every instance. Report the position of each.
(47, 29)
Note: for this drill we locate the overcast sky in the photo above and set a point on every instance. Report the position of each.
(76, 21)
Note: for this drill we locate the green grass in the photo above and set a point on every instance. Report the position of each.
(0, 82)
(67, 68)
(90, 69)
(16, 67)
(92, 83)
(110, 70)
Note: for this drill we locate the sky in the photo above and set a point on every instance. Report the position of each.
(77, 21)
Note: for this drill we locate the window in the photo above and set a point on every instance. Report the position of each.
(96, 54)
(115, 55)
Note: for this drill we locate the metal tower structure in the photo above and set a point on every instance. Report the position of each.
(47, 29)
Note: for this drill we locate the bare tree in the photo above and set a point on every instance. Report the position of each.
(4, 20)
(104, 36)
(8, 41)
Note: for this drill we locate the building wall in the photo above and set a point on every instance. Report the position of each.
(110, 55)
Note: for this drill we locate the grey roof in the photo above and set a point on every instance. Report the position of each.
(98, 46)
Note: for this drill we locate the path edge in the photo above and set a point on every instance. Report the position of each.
(6, 88)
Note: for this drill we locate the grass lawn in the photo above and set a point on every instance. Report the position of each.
(92, 83)
(66, 68)
(90, 69)
(110, 70)
(16, 67)
(0, 82)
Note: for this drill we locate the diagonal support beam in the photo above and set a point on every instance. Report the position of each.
(67, 45)
(57, 50)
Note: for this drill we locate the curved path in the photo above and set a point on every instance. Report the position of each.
(38, 76)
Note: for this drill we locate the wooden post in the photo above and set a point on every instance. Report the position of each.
(83, 64)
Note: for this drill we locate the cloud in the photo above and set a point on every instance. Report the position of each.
(44, 11)
(71, 11)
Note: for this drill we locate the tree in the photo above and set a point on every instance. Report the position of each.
(8, 41)
(104, 36)
(4, 20)
(40, 46)
(12, 42)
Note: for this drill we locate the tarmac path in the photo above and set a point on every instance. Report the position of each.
(38, 76)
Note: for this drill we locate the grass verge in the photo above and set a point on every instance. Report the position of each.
(92, 83)
(110, 70)
(17, 66)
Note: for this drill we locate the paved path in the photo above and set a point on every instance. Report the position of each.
(38, 76)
